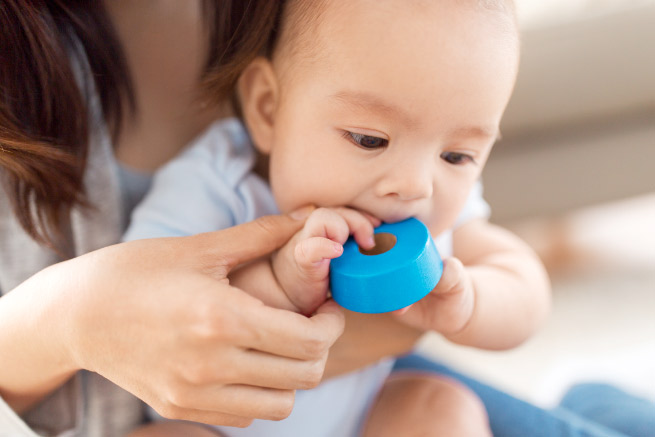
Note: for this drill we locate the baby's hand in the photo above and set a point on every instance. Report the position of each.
(448, 308)
(302, 266)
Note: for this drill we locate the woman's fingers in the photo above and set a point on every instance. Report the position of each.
(296, 336)
(229, 405)
(175, 412)
(216, 365)
(265, 370)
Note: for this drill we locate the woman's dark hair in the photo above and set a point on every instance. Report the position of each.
(44, 125)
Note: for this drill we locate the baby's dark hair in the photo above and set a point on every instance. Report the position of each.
(239, 31)
(243, 30)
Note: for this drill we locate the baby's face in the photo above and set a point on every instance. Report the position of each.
(396, 113)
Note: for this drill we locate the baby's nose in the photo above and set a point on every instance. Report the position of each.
(407, 183)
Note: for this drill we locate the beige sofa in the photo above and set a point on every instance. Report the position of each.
(580, 128)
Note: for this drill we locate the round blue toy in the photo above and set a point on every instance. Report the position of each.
(402, 268)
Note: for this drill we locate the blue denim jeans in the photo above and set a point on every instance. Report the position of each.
(576, 417)
(612, 407)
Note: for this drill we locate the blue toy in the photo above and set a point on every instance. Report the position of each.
(402, 268)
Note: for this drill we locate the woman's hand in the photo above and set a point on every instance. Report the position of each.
(159, 318)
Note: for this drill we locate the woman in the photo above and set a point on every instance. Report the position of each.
(109, 311)
(69, 180)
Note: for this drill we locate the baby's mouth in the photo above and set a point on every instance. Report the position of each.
(392, 217)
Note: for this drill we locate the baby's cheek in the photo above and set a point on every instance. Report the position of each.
(444, 214)
(285, 199)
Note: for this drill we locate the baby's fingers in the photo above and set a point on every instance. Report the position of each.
(310, 252)
(360, 225)
(453, 279)
(327, 223)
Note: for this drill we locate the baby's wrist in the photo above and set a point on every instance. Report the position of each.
(284, 280)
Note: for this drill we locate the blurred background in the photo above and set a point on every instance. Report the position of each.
(574, 175)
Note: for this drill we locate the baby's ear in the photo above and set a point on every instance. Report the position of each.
(258, 93)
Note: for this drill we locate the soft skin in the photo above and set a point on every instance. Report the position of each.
(396, 124)
(380, 126)
(383, 125)
(265, 353)
(391, 112)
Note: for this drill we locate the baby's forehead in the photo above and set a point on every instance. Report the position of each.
(426, 61)
(306, 25)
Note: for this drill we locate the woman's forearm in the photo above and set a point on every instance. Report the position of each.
(34, 361)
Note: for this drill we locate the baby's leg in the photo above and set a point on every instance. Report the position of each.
(174, 429)
(414, 405)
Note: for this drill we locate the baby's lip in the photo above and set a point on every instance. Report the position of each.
(393, 213)
(388, 217)
(366, 212)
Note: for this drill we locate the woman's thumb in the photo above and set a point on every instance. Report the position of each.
(248, 241)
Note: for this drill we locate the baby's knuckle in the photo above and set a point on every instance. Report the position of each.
(299, 251)
(321, 214)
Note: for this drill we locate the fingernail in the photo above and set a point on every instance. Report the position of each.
(302, 213)
(371, 242)
(338, 248)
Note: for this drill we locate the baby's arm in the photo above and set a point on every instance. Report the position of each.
(297, 276)
(493, 293)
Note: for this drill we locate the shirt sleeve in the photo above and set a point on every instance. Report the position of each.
(11, 424)
(210, 186)
(476, 207)
(56, 415)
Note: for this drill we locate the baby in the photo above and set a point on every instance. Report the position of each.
(374, 111)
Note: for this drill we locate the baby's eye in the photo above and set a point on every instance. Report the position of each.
(456, 158)
(366, 141)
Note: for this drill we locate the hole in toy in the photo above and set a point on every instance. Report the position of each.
(383, 243)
